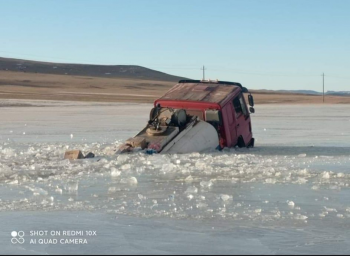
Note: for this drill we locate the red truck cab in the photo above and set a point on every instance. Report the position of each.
(219, 103)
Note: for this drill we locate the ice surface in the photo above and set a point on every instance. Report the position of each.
(289, 194)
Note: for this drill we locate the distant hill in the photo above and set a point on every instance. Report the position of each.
(114, 71)
(310, 92)
(340, 93)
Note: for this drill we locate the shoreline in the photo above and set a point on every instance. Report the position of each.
(260, 99)
(28, 86)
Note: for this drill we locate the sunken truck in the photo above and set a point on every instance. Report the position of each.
(197, 116)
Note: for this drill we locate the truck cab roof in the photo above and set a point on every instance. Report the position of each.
(208, 91)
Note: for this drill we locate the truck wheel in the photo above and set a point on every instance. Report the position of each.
(240, 142)
(251, 143)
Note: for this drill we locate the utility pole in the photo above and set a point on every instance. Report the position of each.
(203, 72)
(323, 86)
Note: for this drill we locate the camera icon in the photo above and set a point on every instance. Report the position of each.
(17, 237)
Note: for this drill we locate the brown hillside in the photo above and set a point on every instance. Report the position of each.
(104, 71)
(20, 85)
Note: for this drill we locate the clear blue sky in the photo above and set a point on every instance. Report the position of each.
(264, 44)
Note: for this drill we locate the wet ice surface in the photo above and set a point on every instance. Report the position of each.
(290, 194)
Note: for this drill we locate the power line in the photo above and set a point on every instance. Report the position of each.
(180, 67)
(266, 74)
(340, 77)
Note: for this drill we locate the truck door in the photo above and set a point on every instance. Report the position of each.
(229, 124)
(242, 118)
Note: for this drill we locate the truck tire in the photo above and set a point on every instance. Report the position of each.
(240, 142)
(251, 143)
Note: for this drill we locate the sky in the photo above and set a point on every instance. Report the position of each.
(263, 44)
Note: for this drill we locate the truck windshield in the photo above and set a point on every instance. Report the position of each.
(239, 105)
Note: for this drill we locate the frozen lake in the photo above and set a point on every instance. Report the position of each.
(289, 194)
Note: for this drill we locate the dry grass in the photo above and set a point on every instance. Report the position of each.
(17, 85)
